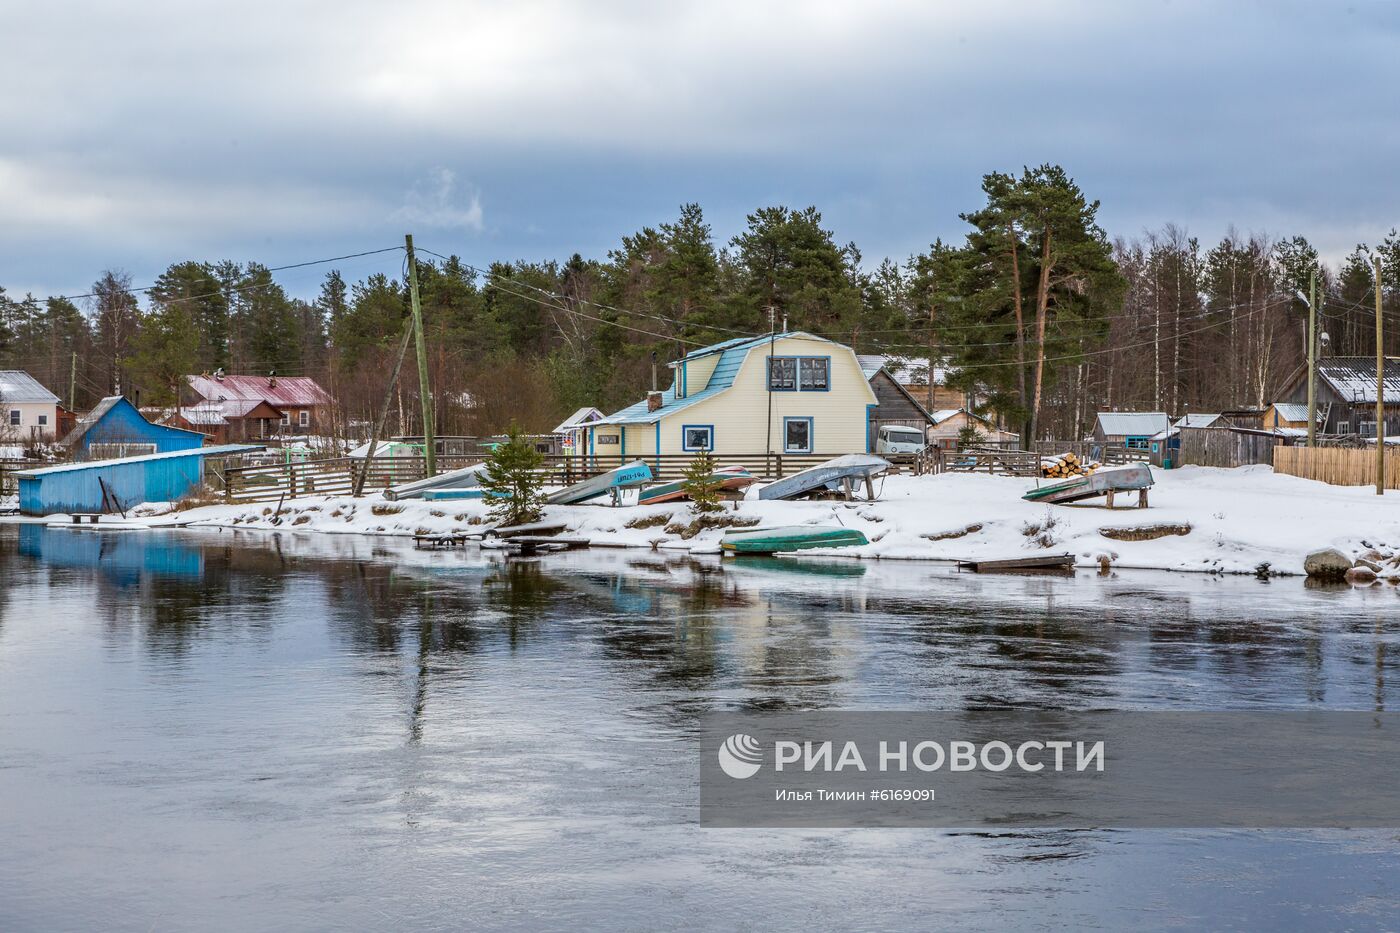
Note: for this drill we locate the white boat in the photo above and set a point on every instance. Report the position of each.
(467, 478)
(828, 475)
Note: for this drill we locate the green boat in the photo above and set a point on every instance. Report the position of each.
(789, 538)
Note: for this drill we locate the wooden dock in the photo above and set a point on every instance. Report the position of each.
(1040, 563)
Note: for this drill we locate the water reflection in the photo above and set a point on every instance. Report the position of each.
(481, 738)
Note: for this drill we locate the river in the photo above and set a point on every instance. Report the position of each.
(232, 731)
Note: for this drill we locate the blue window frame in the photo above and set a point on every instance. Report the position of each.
(697, 437)
(814, 373)
(799, 373)
(797, 435)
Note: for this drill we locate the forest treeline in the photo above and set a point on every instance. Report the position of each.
(1039, 314)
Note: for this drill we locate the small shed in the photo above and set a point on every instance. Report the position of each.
(895, 405)
(115, 428)
(130, 481)
(1133, 429)
(1286, 415)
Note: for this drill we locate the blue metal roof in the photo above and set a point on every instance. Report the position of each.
(216, 451)
(732, 356)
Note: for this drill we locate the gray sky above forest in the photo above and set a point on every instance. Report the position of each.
(136, 135)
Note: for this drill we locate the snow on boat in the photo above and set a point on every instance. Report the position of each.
(828, 475)
(790, 538)
(1099, 483)
(629, 474)
(467, 478)
(732, 477)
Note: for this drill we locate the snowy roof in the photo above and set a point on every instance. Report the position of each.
(943, 414)
(1291, 412)
(279, 391)
(1354, 378)
(1196, 420)
(904, 371)
(18, 386)
(578, 419)
(203, 414)
(219, 451)
(1133, 423)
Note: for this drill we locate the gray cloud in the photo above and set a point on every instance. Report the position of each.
(136, 135)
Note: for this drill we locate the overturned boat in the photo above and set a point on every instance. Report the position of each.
(1137, 476)
(613, 481)
(731, 477)
(835, 474)
(467, 478)
(789, 538)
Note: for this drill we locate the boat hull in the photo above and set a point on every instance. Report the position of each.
(794, 538)
(1137, 476)
(825, 475)
(629, 474)
(736, 478)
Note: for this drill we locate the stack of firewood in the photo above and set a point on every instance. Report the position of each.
(1066, 465)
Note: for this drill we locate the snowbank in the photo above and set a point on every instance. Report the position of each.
(1201, 519)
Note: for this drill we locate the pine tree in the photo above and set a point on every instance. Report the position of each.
(513, 482)
(701, 485)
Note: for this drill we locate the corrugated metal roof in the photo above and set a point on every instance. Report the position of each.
(1196, 420)
(203, 414)
(90, 419)
(1354, 378)
(905, 371)
(1133, 423)
(1291, 412)
(216, 451)
(18, 386)
(290, 391)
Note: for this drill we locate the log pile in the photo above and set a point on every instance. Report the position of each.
(1066, 465)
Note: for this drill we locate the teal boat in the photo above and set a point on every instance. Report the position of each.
(1098, 483)
(789, 538)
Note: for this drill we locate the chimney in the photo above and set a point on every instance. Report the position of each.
(653, 374)
(219, 374)
(653, 401)
(272, 379)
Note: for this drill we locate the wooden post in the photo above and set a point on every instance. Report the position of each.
(1312, 359)
(1380, 386)
(429, 441)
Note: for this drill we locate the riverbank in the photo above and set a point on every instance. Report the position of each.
(1201, 519)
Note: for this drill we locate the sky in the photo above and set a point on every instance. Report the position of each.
(137, 135)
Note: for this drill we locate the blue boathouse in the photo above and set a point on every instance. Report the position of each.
(91, 486)
(115, 428)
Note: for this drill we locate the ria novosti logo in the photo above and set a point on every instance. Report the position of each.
(740, 756)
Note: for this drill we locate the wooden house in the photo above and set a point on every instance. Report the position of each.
(115, 428)
(230, 420)
(789, 393)
(951, 422)
(300, 403)
(1130, 428)
(1346, 395)
(28, 411)
(1286, 415)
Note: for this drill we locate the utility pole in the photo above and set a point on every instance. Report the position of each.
(1380, 385)
(429, 441)
(378, 429)
(73, 382)
(1312, 359)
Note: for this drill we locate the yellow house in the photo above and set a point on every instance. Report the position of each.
(791, 393)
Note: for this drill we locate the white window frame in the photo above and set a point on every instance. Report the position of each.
(709, 443)
(811, 430)
(304, 418)
(16, 418)
(286, 419)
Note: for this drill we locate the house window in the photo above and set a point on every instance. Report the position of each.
(1135, 443)
(797, 435)
(303, 417)
(14, 417)
(782, 374)
(43, 420)
(608, 440)
(695, 437)
(815, 372)
(286, 418)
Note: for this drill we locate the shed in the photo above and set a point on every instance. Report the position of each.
(894, 404)
(84, 487)
(114, 428)
(1130, 428)
(1346, 394)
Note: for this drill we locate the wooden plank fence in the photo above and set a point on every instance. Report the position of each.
(1337, 466)
(1225, 447)
(335, 477)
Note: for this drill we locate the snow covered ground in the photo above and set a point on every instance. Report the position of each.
(1237, 520)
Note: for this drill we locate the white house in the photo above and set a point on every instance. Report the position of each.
(790, 393)
(28, 411)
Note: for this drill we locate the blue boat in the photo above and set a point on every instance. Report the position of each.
(629, 474)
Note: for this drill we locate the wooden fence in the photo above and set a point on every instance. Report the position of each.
(1225, 447)
(336, 477)
(1338, 466)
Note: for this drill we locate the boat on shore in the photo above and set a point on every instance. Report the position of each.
(732, 477)
(789, 538)
(1138, 476)
(833, 474)
(613, 481)
(468, 478)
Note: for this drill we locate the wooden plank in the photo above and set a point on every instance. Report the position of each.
(1020, 564)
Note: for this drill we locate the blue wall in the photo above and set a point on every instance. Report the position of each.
(76, 489)
(123, 424)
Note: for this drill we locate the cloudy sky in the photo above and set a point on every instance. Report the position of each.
(135, 135)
